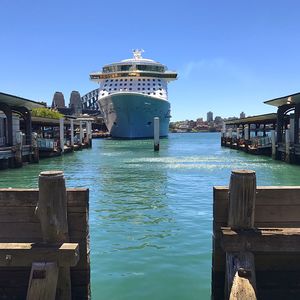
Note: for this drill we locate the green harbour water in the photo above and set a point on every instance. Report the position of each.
(151, 212)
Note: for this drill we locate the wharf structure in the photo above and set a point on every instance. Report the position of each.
(256, 239)
(15, 146)
(44, 241)
(275, 134)
(24, 138)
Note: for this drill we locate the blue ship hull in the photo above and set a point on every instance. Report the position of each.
(130, 115)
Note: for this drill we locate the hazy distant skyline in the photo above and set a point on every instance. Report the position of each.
(230, 55)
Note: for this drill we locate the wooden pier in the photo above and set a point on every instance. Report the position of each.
(24, 139)
(276, 135)
(44, 241)
(256, 240)
(252, 135)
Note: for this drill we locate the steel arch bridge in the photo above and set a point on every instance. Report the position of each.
(89, 100)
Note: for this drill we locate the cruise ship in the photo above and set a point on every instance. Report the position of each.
(132, 93)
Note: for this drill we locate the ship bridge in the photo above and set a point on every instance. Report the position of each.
(134, 67)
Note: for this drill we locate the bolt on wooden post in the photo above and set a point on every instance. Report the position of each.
(240, 268)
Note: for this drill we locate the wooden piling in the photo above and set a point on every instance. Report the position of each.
(156, 134)
(80, 133)
(43, 281)
(72, 132)
(52, 212)
(273, 139)
(242, 199)
(240, 269)
(287, 145)
(18, 159)
(61, 135)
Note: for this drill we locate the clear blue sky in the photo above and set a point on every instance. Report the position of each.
(230, 55)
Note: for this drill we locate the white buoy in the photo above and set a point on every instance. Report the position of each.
(156, 134)
(61, 134)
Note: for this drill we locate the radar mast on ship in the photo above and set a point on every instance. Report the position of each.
(137, 54)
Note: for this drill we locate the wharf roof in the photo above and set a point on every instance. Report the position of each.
(51, 122)
(263, 119)
(289, 99)
(12, 100)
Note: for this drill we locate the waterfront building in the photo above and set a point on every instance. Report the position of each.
(218, 120)
(210, 116)
(15, 140)
(242, 115)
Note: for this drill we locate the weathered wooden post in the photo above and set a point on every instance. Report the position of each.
(89, 133)
(61, 135)
(80, 132)
(237, 138)
(246, 133)
(273, 140)
(18, 162)
(240, 269)
(237, 133)
(72, 132)
(156, 134)
(287, 145)
(35, 147)
(52, 213)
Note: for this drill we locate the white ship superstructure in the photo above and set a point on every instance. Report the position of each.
(132, 92)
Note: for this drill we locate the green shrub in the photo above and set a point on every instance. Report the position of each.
(44, 112)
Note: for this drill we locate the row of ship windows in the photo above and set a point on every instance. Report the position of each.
(120, 84)
(142, 93)
(111, 80)
(130, 89)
